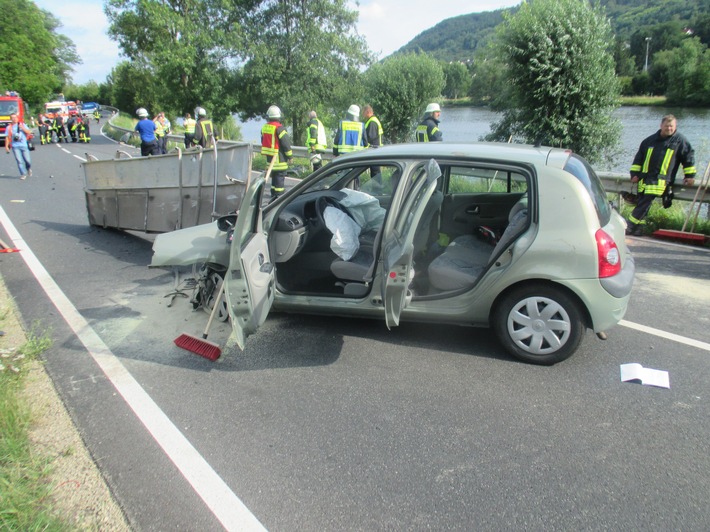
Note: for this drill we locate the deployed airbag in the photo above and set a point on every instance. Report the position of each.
(346, 231)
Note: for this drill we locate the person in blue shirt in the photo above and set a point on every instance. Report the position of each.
(16, 135)
(146, 130)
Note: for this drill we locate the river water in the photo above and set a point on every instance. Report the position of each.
(468, 124)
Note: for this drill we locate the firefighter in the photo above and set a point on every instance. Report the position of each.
(45, 137)
(73, 126)
(654, 169)
(204, 131)
(58, 128)
(350, 135)
(160, 133)
(275, 142)
(97, 115)
(316, 141)
(83, 130)
(189, 124)
(428, 129)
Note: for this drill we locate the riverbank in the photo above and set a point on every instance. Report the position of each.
(631, 101)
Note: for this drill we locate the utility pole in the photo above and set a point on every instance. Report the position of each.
(645, 66)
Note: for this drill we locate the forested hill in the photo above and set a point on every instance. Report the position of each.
(457, 38)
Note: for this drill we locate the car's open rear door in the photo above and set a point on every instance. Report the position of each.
(249, 280)
(398, 244)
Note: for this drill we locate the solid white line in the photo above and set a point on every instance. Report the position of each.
(218, 497)
(663, 334)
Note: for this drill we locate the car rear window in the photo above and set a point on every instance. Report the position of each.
(580, 169)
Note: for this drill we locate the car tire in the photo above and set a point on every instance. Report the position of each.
(540, 324)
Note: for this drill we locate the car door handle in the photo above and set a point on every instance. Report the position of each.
(266, 267)
(473, 210)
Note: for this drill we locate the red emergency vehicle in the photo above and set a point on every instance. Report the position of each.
(11, 103)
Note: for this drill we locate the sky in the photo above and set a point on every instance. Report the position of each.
(387, 25)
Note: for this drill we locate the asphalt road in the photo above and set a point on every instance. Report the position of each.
(334, 424)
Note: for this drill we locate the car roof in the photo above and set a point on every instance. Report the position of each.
(493, 151)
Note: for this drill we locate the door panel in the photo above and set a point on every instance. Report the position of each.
(398, 245)
(249, 281)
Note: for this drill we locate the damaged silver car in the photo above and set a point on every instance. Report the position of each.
(518, 238)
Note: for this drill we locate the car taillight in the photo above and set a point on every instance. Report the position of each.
(608, 255)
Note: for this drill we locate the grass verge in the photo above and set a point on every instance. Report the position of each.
(25, 502)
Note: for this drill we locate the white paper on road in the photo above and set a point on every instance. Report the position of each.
(646, 376)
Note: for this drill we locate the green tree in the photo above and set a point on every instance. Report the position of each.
(399, 88)
(560, 84)
(133, 86)
(34, 60)
(458, 80)
(303, 55)
(689, 72)
(187, 45)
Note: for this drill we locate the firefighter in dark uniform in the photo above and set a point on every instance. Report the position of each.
(654, 169)
(428, 129)
(275, 142)
(204, 131)
(58, 128)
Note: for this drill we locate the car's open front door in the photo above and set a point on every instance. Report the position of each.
(398, 244)
(249, 280)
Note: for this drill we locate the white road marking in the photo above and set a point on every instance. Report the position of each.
(668, 336)
(80, 158)
(219, 498)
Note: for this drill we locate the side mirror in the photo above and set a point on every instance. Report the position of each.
(226, 223)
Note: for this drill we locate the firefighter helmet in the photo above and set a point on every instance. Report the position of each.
(200, 111)
(432, 108)
(273, 112)
(354, 111)
(142, 112)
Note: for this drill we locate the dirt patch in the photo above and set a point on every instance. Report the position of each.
(79, 492)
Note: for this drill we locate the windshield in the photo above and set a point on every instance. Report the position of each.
(8, 108)
(579, 168)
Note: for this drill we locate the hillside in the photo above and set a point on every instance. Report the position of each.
(457, 38)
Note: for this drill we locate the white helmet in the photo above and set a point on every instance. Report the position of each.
(200, 111)
(354, 111)
(432, 107)
(142, 112)
(273, 112)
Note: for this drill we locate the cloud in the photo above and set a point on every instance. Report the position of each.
(386, 25)
(85, 23)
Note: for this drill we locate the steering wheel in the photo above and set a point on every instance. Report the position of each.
(327, 201)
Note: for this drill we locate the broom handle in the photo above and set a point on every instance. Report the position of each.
(700, 204)
(3, 244)
(704, 181)
(216, 306)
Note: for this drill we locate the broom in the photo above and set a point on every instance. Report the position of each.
(6, 248)
(201, 346)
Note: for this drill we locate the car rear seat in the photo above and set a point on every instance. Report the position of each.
(467, 256)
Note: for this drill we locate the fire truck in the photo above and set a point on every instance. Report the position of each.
(11, 103)
(65, 109)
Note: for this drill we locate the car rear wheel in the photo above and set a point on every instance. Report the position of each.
(539, 324)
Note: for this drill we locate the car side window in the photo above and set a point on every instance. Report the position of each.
(477, 180)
